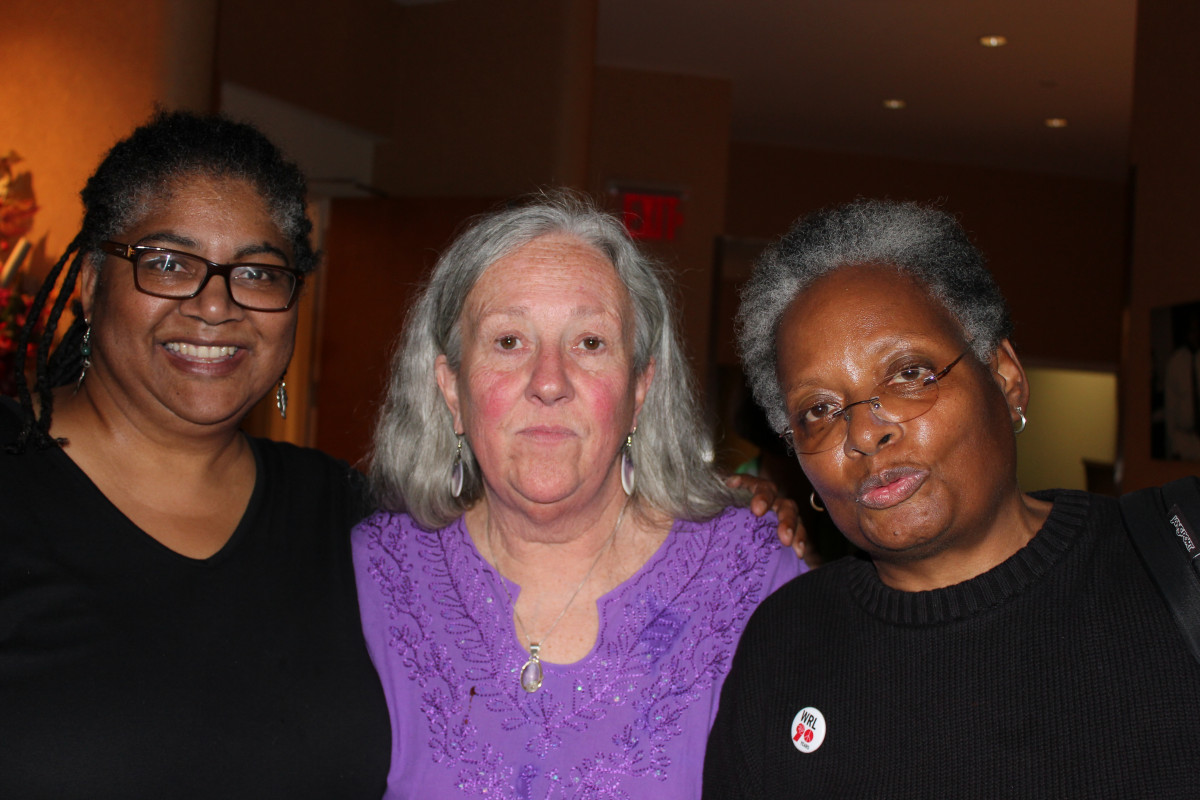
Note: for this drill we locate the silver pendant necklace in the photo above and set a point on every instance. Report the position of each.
(531, 672)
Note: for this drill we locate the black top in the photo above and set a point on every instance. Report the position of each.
(1059, 673)
(130, 671)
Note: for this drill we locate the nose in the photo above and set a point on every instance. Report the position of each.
(549, 382)
(866, 431)
(214, 304)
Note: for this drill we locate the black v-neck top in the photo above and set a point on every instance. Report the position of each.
(130, 671)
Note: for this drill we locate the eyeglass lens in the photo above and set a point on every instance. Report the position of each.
(178, 275)
(900, 397)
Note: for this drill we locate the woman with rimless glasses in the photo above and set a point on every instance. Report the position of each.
(177, 604)
(988, 642)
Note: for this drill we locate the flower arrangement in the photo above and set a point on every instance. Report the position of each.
(17, 207)
(13, 308)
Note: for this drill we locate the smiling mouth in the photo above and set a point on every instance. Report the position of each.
(202, 352)
(890, 487)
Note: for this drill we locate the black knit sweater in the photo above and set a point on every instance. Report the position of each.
(1059, 673)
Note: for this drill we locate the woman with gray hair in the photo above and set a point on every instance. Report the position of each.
(555, 588)
(989, 642)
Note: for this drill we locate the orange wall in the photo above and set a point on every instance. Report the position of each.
(1056, 244)
(1166, 117)
(79, 75)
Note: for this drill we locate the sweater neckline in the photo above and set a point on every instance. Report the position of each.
(1008, 579)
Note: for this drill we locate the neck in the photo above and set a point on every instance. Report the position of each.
(89, 416)
(521, 545)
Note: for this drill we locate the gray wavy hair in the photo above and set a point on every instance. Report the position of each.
(415, 443)
(925, 242)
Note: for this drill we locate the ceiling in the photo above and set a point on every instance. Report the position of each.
(815, 73)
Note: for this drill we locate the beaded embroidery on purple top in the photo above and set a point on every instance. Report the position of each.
(629, 718)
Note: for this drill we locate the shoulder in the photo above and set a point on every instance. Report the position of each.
(738, 525)
(307, 481)
(10, 419)
(741, 547)
(758, 538)
(809, 599)
(306, 465)
(394, 533)
(301, 459)
(381, 524)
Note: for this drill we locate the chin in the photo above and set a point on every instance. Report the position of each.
(214, 414)
(911, 540)
(908, 553)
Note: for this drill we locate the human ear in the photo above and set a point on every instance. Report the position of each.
(89, 283)
(447, 380)
(641, 388)
(1010, 377)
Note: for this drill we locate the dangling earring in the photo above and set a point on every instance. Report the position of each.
(281, 397)
(628, 474)
(1020, 426)
(812, 501)
(456, 471)
(85, 350)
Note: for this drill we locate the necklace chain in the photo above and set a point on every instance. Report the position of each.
(531, 672)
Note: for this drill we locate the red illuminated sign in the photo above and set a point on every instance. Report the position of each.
(651, 216)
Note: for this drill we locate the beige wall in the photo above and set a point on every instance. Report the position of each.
(1166, 118)
(79, 75)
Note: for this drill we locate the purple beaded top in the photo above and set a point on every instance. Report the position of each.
(629, 719)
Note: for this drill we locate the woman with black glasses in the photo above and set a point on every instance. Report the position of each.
(989, 642)
(178, 616)
(177, 605)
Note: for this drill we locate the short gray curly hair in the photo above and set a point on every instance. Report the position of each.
(415, 444)
(925, 242)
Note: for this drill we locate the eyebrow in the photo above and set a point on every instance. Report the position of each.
(521, 311)
(241, 253)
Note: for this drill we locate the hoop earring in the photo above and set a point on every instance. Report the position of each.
(456, 471)
(85, 350)
(281, 397)
(1020, 426)
(812, 501)
(628, 473)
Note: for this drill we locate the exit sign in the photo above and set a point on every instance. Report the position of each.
(651, 215)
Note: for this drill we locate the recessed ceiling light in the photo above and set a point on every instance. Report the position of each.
(894, 103)
(1056, 122)
(993, 41)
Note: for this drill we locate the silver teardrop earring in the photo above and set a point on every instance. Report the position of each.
(281, 396)
(456, 471)
(1020, 426)
(628, 473)
(812, 501)
(85, 350)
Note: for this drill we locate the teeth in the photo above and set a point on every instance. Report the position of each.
(203, 351)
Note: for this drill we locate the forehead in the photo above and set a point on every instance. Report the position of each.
(555, 270)
(862, 311)
(205, 202)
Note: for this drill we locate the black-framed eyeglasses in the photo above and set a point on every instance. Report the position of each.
(901, 396)
(173, 275)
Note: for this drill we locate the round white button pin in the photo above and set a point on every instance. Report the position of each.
(808, 729)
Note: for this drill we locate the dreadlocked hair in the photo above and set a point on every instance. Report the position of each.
(138, 173)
